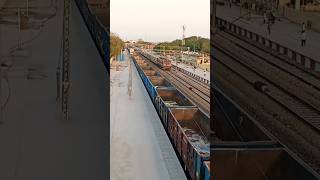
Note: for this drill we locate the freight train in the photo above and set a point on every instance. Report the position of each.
(163, 62)
(99, 32)
(181, 119)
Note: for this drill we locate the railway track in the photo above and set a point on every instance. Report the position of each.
(271, 53)
(199, 93)
(295, 105)
(280, 73)
(273, 59)
(284, 74)
(203, 87)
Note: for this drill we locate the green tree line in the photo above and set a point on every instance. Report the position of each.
(116, 45)
(198, 44)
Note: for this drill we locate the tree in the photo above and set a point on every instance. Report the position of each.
(116, 45)
(194, 43)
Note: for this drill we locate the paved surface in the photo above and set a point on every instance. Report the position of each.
(140, 147)
(283, 32)
(35, 143)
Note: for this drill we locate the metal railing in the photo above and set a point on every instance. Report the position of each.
(291, 54)
(197, 77)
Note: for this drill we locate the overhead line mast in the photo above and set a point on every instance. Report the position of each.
(66, 61)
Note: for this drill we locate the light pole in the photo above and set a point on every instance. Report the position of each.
(130, 79)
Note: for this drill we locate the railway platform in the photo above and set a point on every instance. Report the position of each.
(283, 32)
(140, 147)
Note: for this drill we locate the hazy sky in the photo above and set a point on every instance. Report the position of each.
(159, 20)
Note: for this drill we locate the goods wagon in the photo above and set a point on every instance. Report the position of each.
(138, 67)
(190, 140)
(149, 72)
(159, 81)
(145, 71)
(145, 66)
(252, 164)
(206, 173)
(168, 98)
(148, 83)
(156, 81)
(249, 154)
(231, 124)
(151, 79)
(99, 33)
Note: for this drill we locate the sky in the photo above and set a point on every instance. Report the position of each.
(159, 20)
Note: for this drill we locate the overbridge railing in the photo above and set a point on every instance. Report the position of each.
(195, 76)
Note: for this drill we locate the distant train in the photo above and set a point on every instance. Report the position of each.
(163, 62)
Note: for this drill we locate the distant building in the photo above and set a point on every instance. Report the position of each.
(150, 46)
(203, 59)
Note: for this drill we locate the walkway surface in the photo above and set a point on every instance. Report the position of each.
(283, 32)
(140, 147)
(36, 144)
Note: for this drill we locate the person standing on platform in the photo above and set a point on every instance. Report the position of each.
(303, 28)
(265, 18)
(303, 38)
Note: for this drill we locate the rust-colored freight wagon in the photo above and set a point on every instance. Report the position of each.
(191, 142)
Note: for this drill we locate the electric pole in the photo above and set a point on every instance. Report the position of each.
(130, 78)
(183, 34)
(66, 61)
